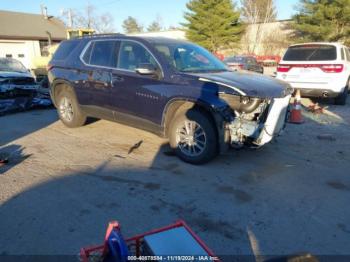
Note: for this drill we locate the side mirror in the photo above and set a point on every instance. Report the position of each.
(146, 69)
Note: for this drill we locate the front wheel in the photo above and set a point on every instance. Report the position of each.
(193, 137)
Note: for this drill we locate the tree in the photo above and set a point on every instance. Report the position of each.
(156, 25)
(257, 14)
(213, 24)
(323, 20)
(88, 19)
(258, 11)
(132, 26)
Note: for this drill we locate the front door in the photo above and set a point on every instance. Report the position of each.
(136, 96)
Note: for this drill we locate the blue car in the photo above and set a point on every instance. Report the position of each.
(173, 88)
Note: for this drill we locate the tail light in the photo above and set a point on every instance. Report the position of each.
(327, 68)
(283, 68)
(332, 68)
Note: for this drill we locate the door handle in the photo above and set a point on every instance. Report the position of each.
(117, 79)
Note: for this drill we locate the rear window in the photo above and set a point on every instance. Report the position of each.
(311, 53)
(64, 50)
(234, 59)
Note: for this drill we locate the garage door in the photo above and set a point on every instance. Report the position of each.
(16, 50)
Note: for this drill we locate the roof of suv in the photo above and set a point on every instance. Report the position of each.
(320, 43)
(150, 39)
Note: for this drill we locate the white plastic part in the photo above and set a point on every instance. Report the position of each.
(275, 120)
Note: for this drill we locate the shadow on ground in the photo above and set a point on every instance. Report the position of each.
(15, 126)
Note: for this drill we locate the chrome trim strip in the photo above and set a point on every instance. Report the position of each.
(116, 68)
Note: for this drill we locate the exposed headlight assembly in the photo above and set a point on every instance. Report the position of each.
(243, 104)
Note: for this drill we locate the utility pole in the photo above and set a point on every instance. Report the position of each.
(70, 18)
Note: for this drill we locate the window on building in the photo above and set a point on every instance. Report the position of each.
(8, 55)
(44, 45)
(20, 55)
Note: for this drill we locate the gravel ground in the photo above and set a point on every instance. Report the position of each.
(62, 186)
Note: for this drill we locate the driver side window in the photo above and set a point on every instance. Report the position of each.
(132, 55)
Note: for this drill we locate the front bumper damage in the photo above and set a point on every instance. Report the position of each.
(21, 97)
(261, 131)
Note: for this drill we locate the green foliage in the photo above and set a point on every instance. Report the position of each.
(323, 20)
(155, 26)
(131, 26)
(213, 23)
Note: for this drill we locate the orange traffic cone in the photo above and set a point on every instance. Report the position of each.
(295, 114)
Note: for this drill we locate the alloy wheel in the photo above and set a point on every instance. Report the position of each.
(191, 138)
(66, 109)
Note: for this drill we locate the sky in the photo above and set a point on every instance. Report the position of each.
(146, 11)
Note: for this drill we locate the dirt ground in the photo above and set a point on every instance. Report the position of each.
(62, 186)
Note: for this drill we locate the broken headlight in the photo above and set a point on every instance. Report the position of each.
(242, 104)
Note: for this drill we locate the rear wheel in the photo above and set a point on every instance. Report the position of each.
(341, 99)
(68, 109)
(193, 137)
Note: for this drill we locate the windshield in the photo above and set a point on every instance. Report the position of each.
(311, 53)
(186, 57)
(12, 65)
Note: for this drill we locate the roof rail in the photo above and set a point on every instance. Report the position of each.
(101, 35)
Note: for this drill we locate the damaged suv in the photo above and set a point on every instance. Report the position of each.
(15, 79)
(173, 88)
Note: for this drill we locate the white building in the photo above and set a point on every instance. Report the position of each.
(175, 34)
(24, 36)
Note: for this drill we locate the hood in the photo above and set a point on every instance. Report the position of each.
(247, 84)
(12, 74)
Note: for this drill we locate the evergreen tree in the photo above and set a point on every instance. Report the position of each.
(155, 26)
(213, 23)
(323, 20)
(131, 26)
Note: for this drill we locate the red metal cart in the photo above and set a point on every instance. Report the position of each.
(134, 244)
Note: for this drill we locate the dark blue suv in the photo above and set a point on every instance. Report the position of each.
(173, 88)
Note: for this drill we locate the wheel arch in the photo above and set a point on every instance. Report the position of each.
(180, 106)
(58, 85)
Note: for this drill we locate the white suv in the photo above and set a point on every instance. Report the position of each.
(317, 70)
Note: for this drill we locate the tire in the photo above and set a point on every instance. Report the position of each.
(341, 99)
(193, 137)
(68, 109)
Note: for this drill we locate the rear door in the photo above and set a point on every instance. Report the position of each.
(311, 63)
(100, 58)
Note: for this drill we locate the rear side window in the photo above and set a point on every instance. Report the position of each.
(311, 53)
(64, 50)
(87, 55)
(251, 61)
(103, 53)
(347, 52)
